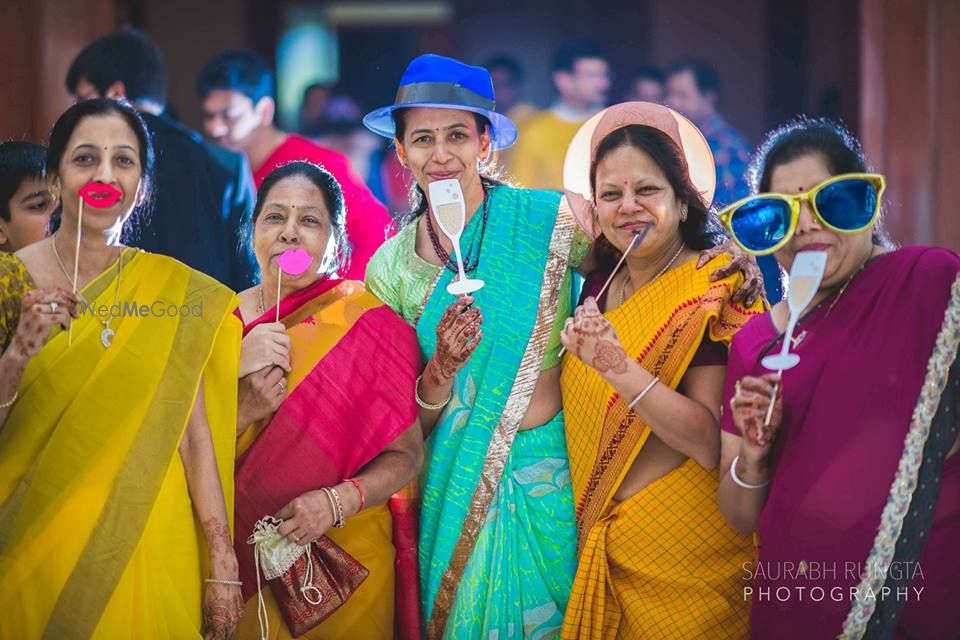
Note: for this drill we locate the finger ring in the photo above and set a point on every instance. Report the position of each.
(53, 307)
(282, 388)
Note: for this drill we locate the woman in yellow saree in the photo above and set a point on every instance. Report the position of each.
(641, 389)
(327, 409)
(117, 423)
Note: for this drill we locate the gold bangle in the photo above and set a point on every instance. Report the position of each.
(427, 405)
(16, 394)
(233, 583)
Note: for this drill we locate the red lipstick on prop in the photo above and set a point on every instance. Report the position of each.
(99, 195)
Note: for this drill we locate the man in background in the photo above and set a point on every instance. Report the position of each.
(508, 80)
(581, 76)
(646, 85)
(693, 89)
(25, 201)
(236, 90)
(203, 195)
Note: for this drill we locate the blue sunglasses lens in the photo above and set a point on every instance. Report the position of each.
(761, 223)
(848, 204)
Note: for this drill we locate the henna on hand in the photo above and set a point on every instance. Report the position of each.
(222, 609)
(458, 334)
(609, 356)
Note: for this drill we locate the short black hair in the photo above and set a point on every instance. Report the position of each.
(839, 148)
(240, 70)
(127, 56)
(647, 72)
(566, 57)
(509, 64)
(332, 197)
(704, 75)
(829, 139)
(19, 161)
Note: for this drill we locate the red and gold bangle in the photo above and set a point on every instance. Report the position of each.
(356, 483)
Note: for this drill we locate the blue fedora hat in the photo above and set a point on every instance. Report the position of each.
(445, 83)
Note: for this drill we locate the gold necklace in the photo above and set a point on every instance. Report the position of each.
(623, 285)
(107, 335)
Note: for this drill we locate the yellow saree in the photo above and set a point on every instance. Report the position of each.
(663, 563)
(97, 532)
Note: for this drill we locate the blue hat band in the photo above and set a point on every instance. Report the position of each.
(441, 92)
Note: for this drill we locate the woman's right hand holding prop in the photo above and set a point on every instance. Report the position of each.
(750, 405)
(458, 334)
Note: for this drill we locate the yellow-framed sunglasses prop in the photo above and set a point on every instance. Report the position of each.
(764, 223)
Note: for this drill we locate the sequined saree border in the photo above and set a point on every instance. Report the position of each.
(908, 469)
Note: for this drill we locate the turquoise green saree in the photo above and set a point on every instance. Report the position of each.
(498, 534)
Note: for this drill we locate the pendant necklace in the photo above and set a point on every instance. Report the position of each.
(107, 335)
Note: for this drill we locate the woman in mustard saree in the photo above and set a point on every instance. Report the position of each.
(117, 428)
(641, 391)
(327, 409)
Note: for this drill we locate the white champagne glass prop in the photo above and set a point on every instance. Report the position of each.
(446, 200)
(805, 276)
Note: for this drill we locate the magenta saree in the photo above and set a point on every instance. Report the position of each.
(848, 407)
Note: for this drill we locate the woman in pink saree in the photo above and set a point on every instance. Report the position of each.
(326, 408)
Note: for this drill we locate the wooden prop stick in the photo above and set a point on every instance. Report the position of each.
(773, 402)
(279, 280)
(76, 263)
(637, 239)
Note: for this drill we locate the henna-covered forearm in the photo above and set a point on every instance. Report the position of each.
(206, 492)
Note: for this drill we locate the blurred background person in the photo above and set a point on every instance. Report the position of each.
(343, 131)
(693, 89)
(25, 200)
(236, 89)
(508, 83)
(646, 85)
(581, 76)
(313, 109)
(203, 194)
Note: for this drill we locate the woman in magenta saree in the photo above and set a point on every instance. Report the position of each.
(336, 412)
(854, 487)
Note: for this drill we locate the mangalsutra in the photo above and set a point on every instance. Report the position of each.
(107, 335)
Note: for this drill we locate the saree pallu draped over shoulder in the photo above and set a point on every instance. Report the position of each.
(97, 532)
(350, 394)
(864, 501)
(496, 551)
(663, 563)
